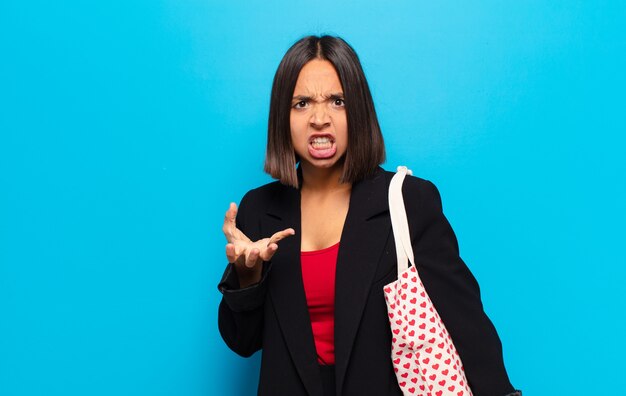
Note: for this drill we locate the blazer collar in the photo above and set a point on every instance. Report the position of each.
(371, 192)
(363, 239)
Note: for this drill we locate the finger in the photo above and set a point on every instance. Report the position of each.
(229, 219)
(252, 258)
(281, 235)
(268, 253)
(230, 253)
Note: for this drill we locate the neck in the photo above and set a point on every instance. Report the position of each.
(321, 180)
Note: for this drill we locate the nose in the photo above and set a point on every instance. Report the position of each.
(319, 117)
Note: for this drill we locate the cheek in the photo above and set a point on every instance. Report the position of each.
(342, 127)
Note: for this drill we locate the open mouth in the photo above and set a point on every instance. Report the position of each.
(322, 146)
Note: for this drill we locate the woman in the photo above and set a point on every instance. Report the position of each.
(309, 254)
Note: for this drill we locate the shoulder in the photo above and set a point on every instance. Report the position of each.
(263, 193)
(270, 194)
(415, 187)
(421, 198)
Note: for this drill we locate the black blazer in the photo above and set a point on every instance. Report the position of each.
(273, 314)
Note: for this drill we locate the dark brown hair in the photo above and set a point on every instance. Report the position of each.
(366, 149)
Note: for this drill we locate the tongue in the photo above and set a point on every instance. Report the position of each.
(322, 153)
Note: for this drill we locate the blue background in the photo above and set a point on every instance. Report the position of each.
(126, 128)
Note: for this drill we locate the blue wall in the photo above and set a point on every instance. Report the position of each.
(126, 128)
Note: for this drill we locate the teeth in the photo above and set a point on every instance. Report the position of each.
(322, 143)
(321, 140)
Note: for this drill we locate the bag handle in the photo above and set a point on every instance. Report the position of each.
(399, 223)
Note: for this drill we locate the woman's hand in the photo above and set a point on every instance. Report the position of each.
(246, 254)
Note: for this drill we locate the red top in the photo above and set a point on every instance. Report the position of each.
(318, 275)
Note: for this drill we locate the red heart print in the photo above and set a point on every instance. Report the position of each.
(402, 384)
(422, 315)
(439, 393)
(432, 377)
(445, 372)
(425, 360)
(422, 326)
(435, 366)
(423, 305)
(440, 345)
(412, 312)
(411, 390)
(428, 350)
(442, 382)
(404, 375)
(405, 365)
(422, 337)
(396, 361)
(438, 356)
(413, 300)
(451, 388)
(453, 378)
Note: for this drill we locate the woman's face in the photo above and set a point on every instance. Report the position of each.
(319, 127)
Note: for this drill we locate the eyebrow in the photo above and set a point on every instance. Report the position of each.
(334, 95)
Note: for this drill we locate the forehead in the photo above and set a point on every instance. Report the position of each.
(318, 77)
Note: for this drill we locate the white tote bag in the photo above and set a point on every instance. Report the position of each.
(424, 358)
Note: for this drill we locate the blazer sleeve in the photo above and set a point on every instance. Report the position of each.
(454, 290)
(240, 314)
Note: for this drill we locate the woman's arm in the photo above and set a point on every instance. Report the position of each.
(243, 285)
(454, 290)
(240, 315)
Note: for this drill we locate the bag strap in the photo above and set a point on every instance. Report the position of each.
(399, 223)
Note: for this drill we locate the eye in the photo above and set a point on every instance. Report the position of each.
(300, 105)
(339, 102)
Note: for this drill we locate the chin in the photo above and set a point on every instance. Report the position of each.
(324, 163)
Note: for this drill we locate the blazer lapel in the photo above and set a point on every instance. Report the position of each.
(287, 288)
(362, 242)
